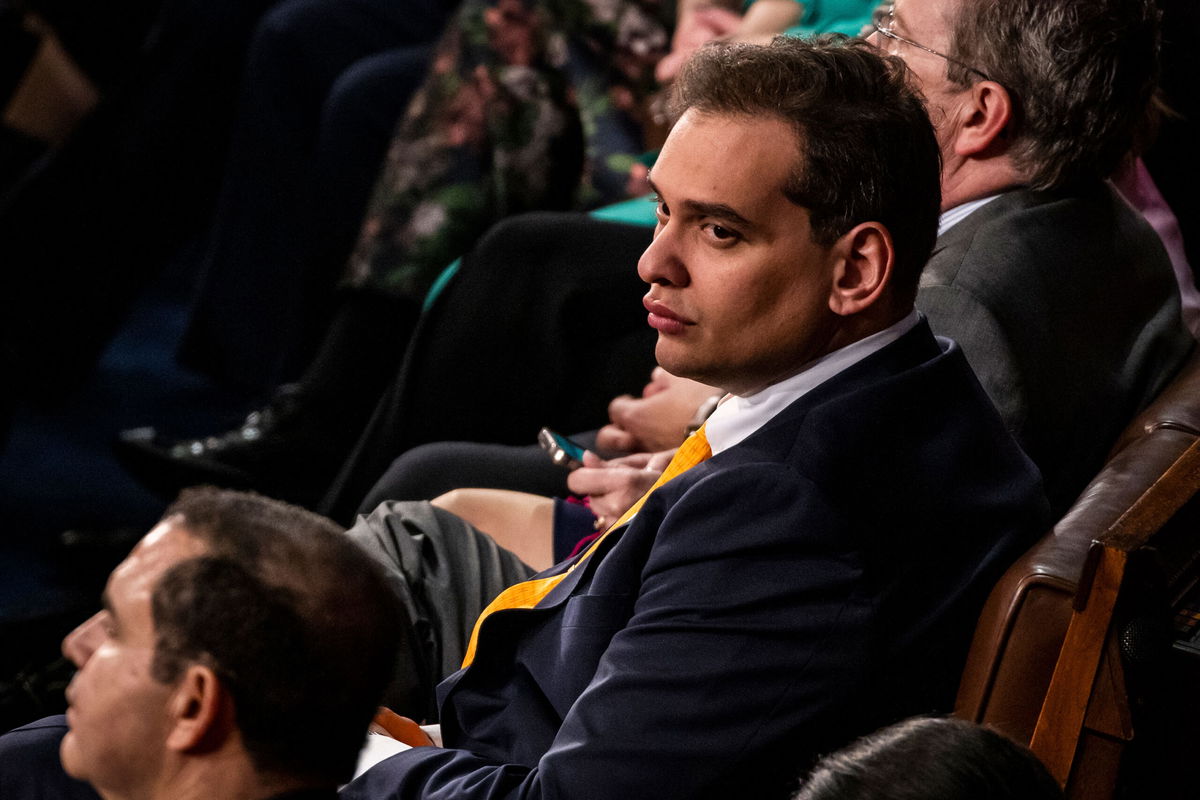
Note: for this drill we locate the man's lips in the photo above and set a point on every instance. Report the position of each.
(663, 319)
(69, 696)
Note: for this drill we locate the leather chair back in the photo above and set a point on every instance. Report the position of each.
(1022, 626)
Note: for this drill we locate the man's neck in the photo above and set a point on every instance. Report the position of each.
(222, 780)
(971, 179)
(740, 416)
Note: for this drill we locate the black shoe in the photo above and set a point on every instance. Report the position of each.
(281, 450)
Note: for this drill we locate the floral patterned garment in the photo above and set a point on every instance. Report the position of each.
(530, 104)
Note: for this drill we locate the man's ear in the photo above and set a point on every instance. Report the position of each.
(202, 712)
(983, 119)
(863, 268)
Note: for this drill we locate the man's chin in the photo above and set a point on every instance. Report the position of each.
(680, 366)
(68, 754)
(674, 359)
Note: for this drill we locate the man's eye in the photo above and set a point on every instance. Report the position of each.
(663, 210)
(722, 234)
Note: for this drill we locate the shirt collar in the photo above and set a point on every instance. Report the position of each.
(955, 215)
(738, 417)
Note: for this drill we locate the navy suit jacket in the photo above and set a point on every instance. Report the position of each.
(807, 585)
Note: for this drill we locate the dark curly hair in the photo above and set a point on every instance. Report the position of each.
(868, 151)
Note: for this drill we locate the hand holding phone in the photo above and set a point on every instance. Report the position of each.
(562, 451)
(614, 485)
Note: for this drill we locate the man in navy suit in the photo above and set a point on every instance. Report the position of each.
(821, 572)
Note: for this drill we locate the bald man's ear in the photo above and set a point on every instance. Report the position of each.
(202, 712)
(863, 268)
(983, 119)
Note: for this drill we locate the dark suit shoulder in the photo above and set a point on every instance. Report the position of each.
(1066, 306)
(1024, 238)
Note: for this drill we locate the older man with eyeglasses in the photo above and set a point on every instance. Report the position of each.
(1061, 297)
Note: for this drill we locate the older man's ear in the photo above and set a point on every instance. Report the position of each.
(863, 269)
(982, 119)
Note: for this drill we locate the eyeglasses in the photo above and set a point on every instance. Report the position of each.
(884, 22)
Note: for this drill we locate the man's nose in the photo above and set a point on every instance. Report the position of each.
(80, 643)
(660, 263)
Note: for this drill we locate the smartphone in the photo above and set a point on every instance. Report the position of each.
(562, 450)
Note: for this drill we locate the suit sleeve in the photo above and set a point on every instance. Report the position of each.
(746, 633)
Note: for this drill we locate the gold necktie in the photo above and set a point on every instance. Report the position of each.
(527, 594)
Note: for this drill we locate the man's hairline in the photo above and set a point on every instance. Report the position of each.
(722, 210)
(178, 522)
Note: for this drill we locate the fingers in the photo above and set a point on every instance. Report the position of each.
(657, 462)
(612, 488)
(660, 379)
(627, 486)
(589, 480)
(591, 460)
(618, 406)
(635, 460)
(612, 438)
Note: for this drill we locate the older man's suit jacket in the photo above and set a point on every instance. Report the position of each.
(1066, 306)
(809, 584)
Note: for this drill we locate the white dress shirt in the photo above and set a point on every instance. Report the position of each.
(953, 216)
(739, 416)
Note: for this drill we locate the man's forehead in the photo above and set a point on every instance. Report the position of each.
(166, 545)
(714, 159)
(927, 21)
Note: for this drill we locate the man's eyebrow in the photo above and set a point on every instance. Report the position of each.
(718, 210)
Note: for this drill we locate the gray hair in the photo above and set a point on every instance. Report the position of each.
(1082, 75)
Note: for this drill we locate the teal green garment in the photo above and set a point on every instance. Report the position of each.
(440, 283)
(638, 211)
(833, 16)
(830, 16)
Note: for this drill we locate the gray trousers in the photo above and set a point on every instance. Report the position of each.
(445, 572)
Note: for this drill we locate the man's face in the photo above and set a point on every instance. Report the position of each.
(739, 292)
(926, 22)
(117, 711)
